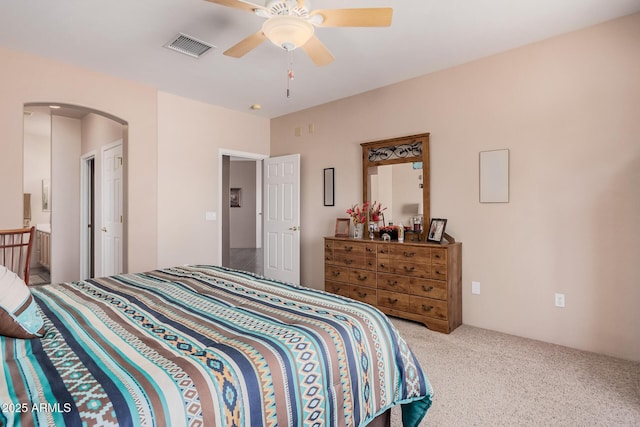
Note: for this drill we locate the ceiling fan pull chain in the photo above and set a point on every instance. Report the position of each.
(290, 75)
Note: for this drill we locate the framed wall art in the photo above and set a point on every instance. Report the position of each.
(328, 186)
(494, 176)
(235, 197)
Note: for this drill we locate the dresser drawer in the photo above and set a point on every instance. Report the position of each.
(328, 255)
(393, 300)
(364, 294)
(410, 252)
(429, 307)
(394, 283)
(349, 260)
(337, 288)
(355, 248)
(439, 256)
(429, 288)
(336, 273)
(406, 268)
(362, 278)
(439, 272)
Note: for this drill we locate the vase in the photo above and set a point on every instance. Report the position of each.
(358, 231)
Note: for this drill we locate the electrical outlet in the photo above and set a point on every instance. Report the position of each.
(475, 288)
(559, 300)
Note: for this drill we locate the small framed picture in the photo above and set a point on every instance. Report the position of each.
(342, 227)
(436, 230)
(234, 197)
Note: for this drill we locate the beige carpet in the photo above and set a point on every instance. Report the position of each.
(486, 378)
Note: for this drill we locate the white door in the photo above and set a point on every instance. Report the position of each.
(282, 218)
(112, 165)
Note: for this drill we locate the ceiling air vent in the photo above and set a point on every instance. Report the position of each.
(188, 45)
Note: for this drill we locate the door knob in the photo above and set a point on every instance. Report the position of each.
(104, 229)
(294, 228)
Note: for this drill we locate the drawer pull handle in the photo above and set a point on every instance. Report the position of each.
(348, 248)
(362, 278)
(348, 261)
(409, 269)
(438, 272)
(383, 251)
(369, 250)
(336, 273)
(362, 294)
(370, 263)
(436, 256)
(426, 308)
(382, 265)
(429, 289)
(409, 254)
(392, 301)
(392, 282)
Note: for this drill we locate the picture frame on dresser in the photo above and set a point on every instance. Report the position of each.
(342, 227)
(436, 230)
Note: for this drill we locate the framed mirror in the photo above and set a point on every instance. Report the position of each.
(395, 173)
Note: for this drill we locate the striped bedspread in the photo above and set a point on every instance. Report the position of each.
(206, 346)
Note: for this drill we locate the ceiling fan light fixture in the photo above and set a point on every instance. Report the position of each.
(287, 32)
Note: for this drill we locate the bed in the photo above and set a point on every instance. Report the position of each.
(207, 346)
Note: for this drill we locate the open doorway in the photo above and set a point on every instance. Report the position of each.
(241, 211)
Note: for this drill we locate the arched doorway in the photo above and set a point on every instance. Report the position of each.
(67, 151)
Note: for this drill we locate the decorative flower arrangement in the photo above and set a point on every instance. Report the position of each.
(358, 213)
(375, 211)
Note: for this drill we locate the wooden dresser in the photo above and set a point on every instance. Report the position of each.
(412, 280)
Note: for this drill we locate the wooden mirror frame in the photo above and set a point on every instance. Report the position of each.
(407, 151)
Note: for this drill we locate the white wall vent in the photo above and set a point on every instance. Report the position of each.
(188, 45)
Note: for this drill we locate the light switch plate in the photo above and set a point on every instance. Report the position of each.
(475, 288)
(210, 216)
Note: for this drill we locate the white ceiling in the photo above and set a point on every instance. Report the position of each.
(125, 38)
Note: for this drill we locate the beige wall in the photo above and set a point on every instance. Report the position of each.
(28, 79)
(567, 109)
(190, 135)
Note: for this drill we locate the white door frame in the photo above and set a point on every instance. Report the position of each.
(85, 201)
(245, 155)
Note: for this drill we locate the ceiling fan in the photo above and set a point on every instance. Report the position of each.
(291, 23)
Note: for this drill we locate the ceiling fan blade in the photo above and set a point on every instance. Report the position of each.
(236, 4)
(365, 17)
(317, 51)
(246, 45)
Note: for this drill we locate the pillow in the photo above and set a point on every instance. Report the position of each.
(19, 317)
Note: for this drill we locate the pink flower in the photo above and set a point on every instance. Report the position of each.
(358, 213)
